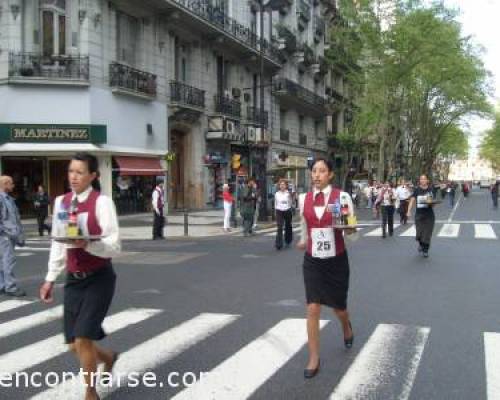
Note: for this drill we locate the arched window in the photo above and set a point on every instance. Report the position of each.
(53, 20)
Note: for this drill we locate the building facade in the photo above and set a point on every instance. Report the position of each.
(218, 89)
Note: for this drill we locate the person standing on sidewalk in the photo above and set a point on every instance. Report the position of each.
(494, 193)
(158, 203)
(41, 204)
(283, 206)
(228, 205)
(403, 194)
(248, 202)
(11, 234)
(90, 278)
(424, 215)
(386, 199)
(326, 265)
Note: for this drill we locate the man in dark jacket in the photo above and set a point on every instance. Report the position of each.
(248, 201)
(41, 205)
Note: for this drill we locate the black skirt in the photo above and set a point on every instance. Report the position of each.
(327, 280)
(86, 303)
(424, 226)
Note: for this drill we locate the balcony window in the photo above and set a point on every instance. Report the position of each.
(127, 34)
(53, 27)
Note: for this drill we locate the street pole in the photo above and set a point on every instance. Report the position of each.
(263, 190)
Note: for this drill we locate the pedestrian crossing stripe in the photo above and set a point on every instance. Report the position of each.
(380, 370)
(36, 353)
(449, 230)
(24, 323)
(9, 305)
(148, 355)
(484, 231)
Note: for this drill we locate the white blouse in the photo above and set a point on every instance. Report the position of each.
(282, 200)
(319, 211)
(107, 247)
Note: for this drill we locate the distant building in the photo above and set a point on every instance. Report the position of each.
(473, 169)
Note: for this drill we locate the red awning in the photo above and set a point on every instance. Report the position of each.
(139, 166)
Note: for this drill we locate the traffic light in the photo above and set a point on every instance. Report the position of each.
(236, 161)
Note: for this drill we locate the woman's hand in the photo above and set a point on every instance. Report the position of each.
(301, 245)
(46, 292)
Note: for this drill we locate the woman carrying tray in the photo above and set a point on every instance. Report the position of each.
(326, 265)
(424, 214)
(90, 279)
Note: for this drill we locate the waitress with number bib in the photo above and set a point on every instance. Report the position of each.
(326, 265)
(90, 279)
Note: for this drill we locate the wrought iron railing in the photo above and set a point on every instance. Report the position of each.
(185, 94)
(125, 77)
(297, 91)
(35, 65)
(227, 106)
(217, 17)
(256, 116)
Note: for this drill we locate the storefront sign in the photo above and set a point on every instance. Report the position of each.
(53, 133)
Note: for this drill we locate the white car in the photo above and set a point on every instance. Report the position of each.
(484, 183)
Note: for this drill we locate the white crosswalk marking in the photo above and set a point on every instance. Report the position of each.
(12, 304)
(36, 353)
(484, 231)
(410, 232)
(24, 323)
(244, 372)
(381, 370)
(492, 364)
(378, 231)
(449, 230)
(148, 355)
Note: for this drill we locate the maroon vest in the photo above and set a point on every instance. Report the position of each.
(79, 260)
(161, 202)
(325, 221)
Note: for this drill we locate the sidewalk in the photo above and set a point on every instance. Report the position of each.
(139, 226)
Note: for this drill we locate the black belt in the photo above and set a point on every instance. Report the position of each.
(81, 275)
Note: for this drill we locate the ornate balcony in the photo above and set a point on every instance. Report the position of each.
(226, 106)
(185, 95)
(293, 95)
(196, 11)
(255, 116)
(61, 69)
(125, 79)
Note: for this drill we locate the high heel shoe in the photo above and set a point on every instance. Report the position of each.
(348, 342)
(311, 373)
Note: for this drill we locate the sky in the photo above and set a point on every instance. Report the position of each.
(481, 19)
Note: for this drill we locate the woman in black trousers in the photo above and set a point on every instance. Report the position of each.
(283, 207)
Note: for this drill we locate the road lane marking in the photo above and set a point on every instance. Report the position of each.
(411, 231)
(492, 364)
(244, 372)
(455, 209)
(39, 352)
(484, 231)
(378, 231)
(24, 323)
(382, 370)
(449, 230)
(147, 355)
(8, 305)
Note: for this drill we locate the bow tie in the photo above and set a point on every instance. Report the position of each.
(319, 200)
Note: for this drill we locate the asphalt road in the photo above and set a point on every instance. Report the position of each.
(233, 308)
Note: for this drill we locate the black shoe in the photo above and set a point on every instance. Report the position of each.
(311, 373)
(16, 293)
(425, 254)
(348, 342)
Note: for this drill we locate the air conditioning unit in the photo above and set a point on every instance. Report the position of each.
(261, 135)
(236, 93)
(230, 128)
(215, 124)
(251, 134)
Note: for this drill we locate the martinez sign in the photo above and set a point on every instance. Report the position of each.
(18, 134)
(53, 133)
